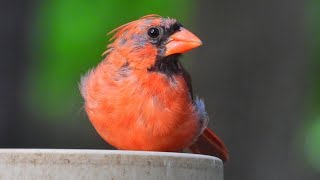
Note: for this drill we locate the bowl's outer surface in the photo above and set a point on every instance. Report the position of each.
(106, 164)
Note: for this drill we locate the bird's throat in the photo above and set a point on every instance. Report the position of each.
(167, 65)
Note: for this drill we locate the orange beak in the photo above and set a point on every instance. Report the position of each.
(181, 42)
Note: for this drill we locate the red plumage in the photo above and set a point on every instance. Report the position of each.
(140, 97)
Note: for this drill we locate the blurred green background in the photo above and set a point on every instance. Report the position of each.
(258, 72)
(312, 124)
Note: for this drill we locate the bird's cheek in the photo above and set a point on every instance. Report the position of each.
(143, 58)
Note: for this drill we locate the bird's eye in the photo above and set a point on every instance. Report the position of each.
(153, 32)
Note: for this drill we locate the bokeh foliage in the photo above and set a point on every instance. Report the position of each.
(69, 38)
(312, 129)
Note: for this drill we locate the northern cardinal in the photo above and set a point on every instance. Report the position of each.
(140, 96)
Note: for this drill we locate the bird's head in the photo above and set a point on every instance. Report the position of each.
(151, 39)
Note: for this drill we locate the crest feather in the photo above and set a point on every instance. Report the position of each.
(123, 28)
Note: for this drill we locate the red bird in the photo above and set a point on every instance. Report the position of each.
(140, 97)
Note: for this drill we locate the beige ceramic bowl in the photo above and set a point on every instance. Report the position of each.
(106, 164)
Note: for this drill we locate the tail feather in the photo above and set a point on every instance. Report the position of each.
(209, 143)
